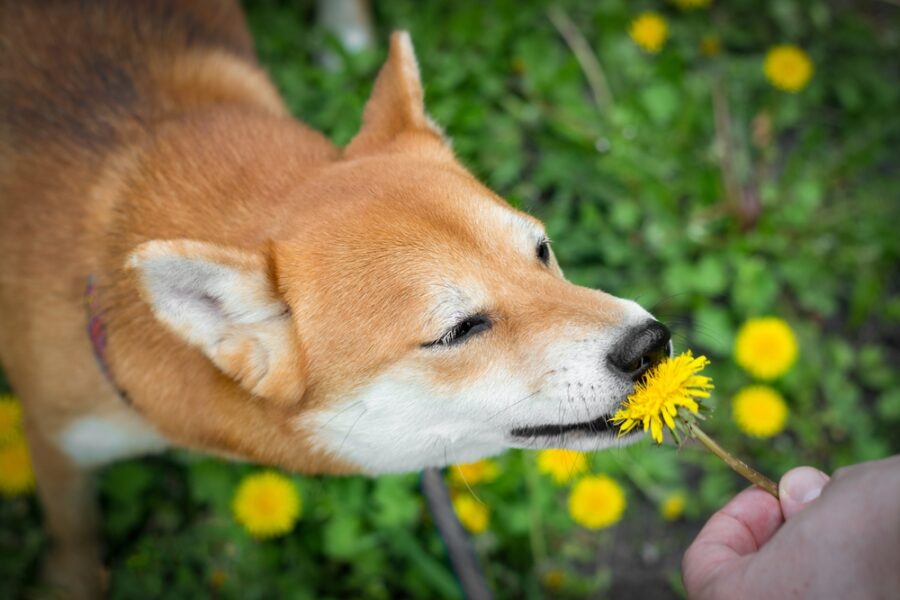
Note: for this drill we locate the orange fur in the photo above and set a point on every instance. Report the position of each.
(151, 121)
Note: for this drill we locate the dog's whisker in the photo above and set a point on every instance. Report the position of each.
(324, 425)
(349, 431)
(514, 404)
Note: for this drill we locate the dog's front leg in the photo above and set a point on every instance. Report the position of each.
(73, 568)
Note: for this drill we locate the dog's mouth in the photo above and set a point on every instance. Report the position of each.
(598, 426)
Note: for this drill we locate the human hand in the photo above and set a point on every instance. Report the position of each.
(825, 538)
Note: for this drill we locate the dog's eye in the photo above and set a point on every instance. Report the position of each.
(463, 330)
(543, 251)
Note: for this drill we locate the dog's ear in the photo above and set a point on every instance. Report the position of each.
(225, 302)
(395, 112)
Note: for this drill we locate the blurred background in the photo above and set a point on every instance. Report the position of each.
(718, 161)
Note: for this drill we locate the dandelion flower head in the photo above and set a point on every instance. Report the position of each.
(267, 504)
(670, 385)
(473, 515)
(672, 506)
(481, 471)
(710, 45)
(759, 411)
(554, 579)
(649, 31)
(10, 420)
(562, 465)
(788, 67)
(217, 578)
(765, 347)
(16, 473)
(597, 502)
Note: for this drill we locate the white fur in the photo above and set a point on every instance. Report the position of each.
(409, 61)
(410, 74)
(402, 421)
(96, 441)
(489, 215)
(452, 302)
(201, 299)
(221, 300)
(398, 423)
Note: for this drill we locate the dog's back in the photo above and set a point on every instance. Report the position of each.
(80, 77)
(75, 73)
(80, 80)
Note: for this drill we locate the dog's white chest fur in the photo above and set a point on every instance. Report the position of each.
(97, 440)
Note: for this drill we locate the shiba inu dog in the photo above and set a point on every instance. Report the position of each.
(184, 264)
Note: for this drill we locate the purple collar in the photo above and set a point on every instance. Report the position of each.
(96, 331)
(95, 328)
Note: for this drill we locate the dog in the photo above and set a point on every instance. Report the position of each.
(184, 264)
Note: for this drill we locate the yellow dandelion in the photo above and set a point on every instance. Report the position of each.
(649, 31)
(691, 4)
(759, 411)
(562, 465)
(672, 506)
(788, 67)
(765, 347)
(669, 394)
(10, 420)
(267, 504)
(710, 45)
(474, 515)
(16, 473)
(481, 471)
(554, 579)
(597, 502)
(217, 578)
(656, 399)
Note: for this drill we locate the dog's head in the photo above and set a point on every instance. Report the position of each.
(409, 316)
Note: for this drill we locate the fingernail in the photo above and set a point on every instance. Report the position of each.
(803, 484)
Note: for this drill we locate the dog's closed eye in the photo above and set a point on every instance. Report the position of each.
(462, 331)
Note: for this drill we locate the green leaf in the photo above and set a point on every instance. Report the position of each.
(755, 286)
(710, 276)
(435, 572)
(342, 537)
(888, 405)
(397, 502)
(213, 482)
(661, 102)
(714, 328)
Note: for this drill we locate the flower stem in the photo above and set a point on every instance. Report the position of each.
(587, 59)
(736, 464)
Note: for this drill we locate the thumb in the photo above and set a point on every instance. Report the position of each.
(798, 487)
(741, 528)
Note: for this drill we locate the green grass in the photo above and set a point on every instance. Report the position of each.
(634, 199)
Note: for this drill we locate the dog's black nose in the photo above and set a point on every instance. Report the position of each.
(640, 349)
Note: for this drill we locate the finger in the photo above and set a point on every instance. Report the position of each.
(740, 528)
(798, 487)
